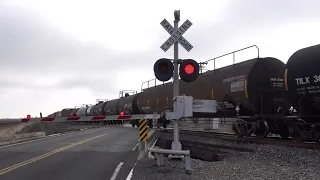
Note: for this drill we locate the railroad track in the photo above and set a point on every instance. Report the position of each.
(234, 138)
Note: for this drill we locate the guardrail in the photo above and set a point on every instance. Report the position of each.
(160, 152)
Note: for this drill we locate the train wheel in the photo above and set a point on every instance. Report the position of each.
(284, 132)
(249, 130)
(296, 136)
(133, 125)
(239, 128)
(164, 125)
(262, 130)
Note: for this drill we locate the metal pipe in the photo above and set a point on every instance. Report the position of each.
(235, 52)
(146, 82)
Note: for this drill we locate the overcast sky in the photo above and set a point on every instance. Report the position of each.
(57, 54)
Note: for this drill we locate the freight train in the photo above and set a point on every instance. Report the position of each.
(259, 93)
(127, 104)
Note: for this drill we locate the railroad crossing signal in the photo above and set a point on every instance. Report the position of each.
(189, 70)
(163, 69)
(176, 38)
(143, 130)
(176, 35)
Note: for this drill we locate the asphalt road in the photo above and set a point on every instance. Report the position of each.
(102, 153)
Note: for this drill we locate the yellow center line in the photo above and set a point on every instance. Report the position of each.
(13, 167)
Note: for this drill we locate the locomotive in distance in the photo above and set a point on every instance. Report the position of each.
(265, 90)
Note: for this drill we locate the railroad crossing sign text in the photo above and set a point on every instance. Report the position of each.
(176, 35)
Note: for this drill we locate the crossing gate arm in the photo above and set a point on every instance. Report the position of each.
(82, 118)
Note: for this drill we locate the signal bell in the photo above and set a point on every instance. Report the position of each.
(189, 70)
(163, 69)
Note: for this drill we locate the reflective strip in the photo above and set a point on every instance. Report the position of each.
(83, 118)
(286, 79)
(245, 87)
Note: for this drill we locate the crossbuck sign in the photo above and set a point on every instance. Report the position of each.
(176, 35)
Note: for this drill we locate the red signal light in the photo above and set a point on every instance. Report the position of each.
(189, 69)
(28, 116)
(121, 113)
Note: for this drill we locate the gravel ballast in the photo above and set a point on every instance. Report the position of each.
(266, 162)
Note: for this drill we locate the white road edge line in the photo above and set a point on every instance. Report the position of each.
(135, 147)
(115, 174)
(131, 172)
(43, 138)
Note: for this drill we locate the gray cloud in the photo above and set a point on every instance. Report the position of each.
(31, 47)
(100, 85)
(251, 19)
(253, 14)
(28, 43)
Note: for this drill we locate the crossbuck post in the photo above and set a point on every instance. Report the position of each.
(175, 39)
(176, 144)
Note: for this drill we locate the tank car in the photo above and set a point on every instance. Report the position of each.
(302, 80)
(82, 111)
(302, 83)
(157, 99)
(110, 108)
(130, 104)
(127, 105)
(74, 112)
(255, 86)
(97, 109)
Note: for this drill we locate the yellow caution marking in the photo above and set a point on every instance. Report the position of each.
(143, 130)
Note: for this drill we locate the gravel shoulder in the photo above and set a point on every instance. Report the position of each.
(266, 162)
